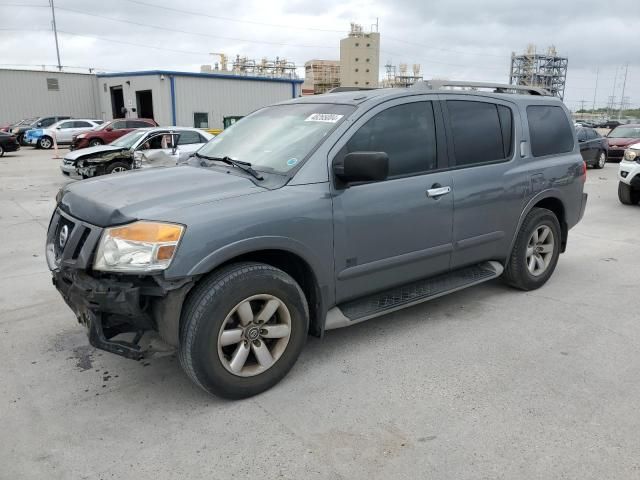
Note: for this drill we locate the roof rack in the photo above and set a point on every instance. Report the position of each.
(349, 89)
(496, 87)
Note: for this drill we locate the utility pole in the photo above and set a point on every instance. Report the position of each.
(624, 83)
(582, 102)
(593, 107)
(55, 33)
(613, 96)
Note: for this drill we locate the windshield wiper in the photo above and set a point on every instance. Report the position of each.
(244, 166)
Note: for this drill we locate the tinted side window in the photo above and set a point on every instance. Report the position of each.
(119, 125)
(80, 124)
(406, 133)
(478, 131)
(592, 134)
(549, 130)
(48, 121)
(187, 137)
(581, 134)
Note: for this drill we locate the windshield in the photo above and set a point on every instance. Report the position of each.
(276, 139)
(625, 132)
(128, 140)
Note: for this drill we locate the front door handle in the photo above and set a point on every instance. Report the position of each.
(437, 191)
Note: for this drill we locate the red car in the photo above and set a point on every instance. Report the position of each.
(110, 131)
(620, 138)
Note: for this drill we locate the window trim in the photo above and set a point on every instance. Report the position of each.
(453, 165)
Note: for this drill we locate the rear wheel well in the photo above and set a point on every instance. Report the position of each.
(556, 206)
(300, 271)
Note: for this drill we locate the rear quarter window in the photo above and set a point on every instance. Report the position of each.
(549, 130)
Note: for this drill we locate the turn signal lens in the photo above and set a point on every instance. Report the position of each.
(148, 232)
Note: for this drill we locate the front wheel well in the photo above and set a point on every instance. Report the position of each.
(556, 206)
(300, 271)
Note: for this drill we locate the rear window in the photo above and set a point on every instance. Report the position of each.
(549, 130)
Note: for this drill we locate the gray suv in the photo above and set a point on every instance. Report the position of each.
(315, 214)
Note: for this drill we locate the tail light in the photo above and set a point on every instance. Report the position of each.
(583, 175)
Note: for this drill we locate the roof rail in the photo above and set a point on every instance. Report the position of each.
(349, 89)
(496, 87)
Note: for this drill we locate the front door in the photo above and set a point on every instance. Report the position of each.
(488, 185)
(392, 232)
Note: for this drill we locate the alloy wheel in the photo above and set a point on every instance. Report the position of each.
(254, 335)
(540, 250)
(602, 160)
(45, 143)
(118, 170)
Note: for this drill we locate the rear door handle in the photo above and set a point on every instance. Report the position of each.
(437, 191)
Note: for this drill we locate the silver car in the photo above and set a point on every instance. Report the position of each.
(144, 147)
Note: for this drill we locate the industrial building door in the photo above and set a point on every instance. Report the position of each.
(144, 103)
(117, 102)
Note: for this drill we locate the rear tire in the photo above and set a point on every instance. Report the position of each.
(116, 167)
(45, 143)
(1, 151)
(628, 195)
(215, 306)
(531, 262)
(94, 142)
(601, 161)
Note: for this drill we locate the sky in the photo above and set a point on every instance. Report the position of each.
(454, 39)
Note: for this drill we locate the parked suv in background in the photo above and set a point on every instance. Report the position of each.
(63, 132)
(318, 213)
(593, 147)
(109, 131)
(629, 176)
(41, 122)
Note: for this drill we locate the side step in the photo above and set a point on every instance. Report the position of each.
(396, 298)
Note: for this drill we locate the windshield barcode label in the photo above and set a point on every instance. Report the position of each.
(324, 117)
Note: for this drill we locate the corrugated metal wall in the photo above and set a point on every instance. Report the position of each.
(160, 91)
(222, 97)
(24, 93)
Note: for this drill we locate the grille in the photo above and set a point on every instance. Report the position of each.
(616, 153)
(58, 247)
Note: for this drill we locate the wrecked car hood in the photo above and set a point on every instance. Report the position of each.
(94, 152)
(149, 193)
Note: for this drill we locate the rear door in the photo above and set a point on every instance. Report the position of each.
(64, 131)
(488, 188)
(118, 129)
(392, 232)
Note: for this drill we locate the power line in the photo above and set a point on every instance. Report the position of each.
(229, 19)
(163, 28)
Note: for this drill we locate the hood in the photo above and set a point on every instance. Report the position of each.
(621, 142)
(91, 151)
(150, 194)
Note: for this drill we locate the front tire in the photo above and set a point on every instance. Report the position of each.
(628, 195)
(95, 142)
(242, 329)
(536, 251)
(1, 151)
(45, 143)
(601, 161)
(117, 167)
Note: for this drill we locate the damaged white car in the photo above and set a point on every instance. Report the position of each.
(145, 147)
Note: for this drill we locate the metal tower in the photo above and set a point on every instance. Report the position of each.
(547, 70)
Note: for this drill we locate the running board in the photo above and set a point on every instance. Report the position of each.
(396, 298)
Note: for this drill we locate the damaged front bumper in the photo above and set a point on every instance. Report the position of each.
(109, 305)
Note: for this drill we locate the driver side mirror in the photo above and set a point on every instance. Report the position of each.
(362, 167)
(108, 129)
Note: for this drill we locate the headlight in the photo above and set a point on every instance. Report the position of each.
(82, 135)
(630, 155)
(59, 195)
(138, 247)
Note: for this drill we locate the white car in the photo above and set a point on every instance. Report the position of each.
(144, 147)
(62, 131)
(629, 176)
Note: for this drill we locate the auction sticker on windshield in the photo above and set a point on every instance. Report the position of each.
(324, 117)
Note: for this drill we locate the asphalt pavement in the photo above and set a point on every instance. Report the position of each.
(485, 383)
